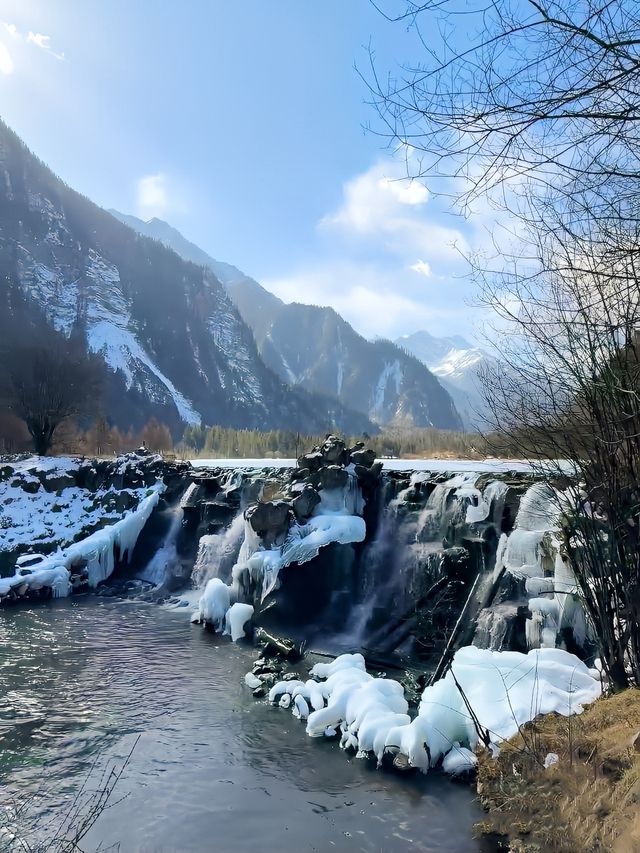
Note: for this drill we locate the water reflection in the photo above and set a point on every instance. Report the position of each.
(213, 769)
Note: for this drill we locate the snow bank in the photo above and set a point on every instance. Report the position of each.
(504, 690)
(97, 551)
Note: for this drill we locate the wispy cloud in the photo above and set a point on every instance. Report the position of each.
(39, 40)
(6, 62)
(11, 29)
(152, 197)
(44, 42)
(390, 258)
(376, 301)
(379, 206)
(422, 267)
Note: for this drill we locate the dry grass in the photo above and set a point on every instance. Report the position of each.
(588, 801)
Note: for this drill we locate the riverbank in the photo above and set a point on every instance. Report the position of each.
(588, 799)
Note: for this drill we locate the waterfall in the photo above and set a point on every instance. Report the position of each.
(428, 562)
(160, 566)
(218, 553)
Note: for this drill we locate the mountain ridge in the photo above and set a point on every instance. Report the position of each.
(458, 365)
(173, 341)
(314, 348)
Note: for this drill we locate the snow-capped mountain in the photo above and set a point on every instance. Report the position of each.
(174, 342)
(314, 348)
(458, 365)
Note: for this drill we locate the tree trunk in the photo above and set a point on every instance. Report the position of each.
(42, 438)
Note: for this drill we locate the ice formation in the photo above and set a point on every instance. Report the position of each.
(533, 552)
(504, 690)
(235, 620)
(55, 576)
(97, 551)
(303, 544)
(333, 520)
(214, 603)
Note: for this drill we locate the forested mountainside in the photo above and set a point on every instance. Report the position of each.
(314, 348)
(174, 344)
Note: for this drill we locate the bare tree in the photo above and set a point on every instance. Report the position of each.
(543, 91)
(535, 105)
(47, 381)
(570, 402)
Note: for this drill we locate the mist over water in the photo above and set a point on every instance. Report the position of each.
(214, 770)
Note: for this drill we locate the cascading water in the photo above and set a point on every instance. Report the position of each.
(427, 538)
(164, 563)
(218, 553)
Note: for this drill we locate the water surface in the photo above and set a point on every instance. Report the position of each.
(213, 770)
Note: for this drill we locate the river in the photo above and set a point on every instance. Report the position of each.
(213, 769)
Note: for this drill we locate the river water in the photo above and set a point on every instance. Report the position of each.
(213, 769)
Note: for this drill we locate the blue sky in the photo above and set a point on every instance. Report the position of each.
(242, 125)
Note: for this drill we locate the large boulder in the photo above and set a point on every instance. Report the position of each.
(365, 457)
(305, 503)
(270, 520)
(333, 477)
(55, 481)
(311, 461)
(334, 451)
(368, 477)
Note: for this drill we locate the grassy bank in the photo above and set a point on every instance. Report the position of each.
(589, 800)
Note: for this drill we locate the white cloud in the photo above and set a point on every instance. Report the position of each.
(406, 192)
(376, 302)
(6, 62)
(379, 206)
(421, 267)
(11, 29)
(40, 40)
(152, 197)
(44, 42)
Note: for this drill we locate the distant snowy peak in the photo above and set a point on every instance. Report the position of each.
(457, 364)
(452, 356)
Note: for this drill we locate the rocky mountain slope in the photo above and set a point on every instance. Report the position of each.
(172, 339)
(458, 365)
(160, 230)
(314, 348)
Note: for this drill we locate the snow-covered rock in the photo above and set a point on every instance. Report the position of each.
(504, 690)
